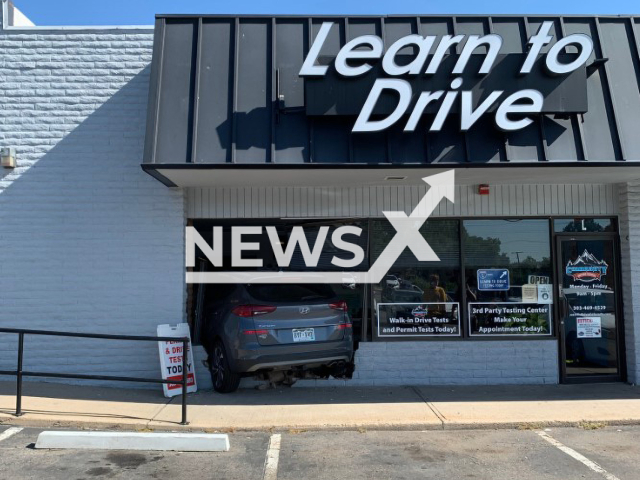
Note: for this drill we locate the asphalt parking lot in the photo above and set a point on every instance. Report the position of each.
(558, 453)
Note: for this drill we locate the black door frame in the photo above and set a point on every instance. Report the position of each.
(558, 271)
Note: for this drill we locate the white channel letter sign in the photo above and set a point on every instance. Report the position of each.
(356, 57)
(407, 235)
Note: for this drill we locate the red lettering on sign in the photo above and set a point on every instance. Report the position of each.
(173, 386)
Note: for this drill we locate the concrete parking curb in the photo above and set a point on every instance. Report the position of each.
(524, 425)
(181, 442)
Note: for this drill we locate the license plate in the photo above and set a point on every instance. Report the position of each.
(304, 335)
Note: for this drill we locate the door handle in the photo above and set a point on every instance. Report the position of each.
(564, 307)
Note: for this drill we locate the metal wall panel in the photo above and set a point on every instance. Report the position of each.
(371, 201)
(599, 131)
(561, 136)
(367, 148)
(614, 35)
(291, 129)
(219, 79)
(522, 145)
(215, 104)
(448, 146)
(253, 112)
(484, 143)
(512, 31)
(175, 102)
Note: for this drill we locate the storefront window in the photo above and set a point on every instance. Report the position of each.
(584, 225)
(418, 299)
(502, 272)
(508, 277)
(349, 291)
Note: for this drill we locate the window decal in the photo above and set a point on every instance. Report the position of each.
(586, 268)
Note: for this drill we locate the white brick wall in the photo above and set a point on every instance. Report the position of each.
(457, 363)
(88, 242)
(452, 363)
(630, 260)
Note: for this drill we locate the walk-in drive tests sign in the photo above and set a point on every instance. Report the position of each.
(436, 319)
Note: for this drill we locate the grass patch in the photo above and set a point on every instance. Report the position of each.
(296, 431)
(591, 425)
(531, 426)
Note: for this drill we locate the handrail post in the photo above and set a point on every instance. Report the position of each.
(185, 378)
(19, 375)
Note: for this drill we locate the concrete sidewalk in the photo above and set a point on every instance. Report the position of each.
(48, 404)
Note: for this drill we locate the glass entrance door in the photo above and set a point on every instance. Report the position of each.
(588, 308)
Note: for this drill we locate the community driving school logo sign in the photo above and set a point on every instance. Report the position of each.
(466, 85)
(586, 268)
(407, 235)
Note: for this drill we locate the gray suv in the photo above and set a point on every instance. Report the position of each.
(275, 331)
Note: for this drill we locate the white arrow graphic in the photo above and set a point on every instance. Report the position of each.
(407, 235)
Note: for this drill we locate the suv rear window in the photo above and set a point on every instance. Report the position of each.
(291, 293)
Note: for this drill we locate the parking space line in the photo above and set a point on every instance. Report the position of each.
(10, 432)
(273, 455)
(577, 456)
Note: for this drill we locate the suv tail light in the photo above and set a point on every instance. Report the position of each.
(252, 310)
(344, 326)
(341, 305)
(255, 332)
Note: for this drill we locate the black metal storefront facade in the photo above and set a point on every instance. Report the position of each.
(229, 106)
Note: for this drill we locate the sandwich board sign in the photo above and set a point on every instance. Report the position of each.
(171, 359)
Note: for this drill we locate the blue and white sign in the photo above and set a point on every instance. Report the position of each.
(493, 279)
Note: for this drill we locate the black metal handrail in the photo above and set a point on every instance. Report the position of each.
(19, 373)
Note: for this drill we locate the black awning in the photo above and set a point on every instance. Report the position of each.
(227, 90)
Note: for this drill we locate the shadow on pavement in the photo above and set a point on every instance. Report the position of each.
(86, 392)
(341, 395)
(333, 395)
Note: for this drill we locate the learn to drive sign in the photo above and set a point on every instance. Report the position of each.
(457, 82)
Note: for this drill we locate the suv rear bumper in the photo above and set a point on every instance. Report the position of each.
(279, 357)
(312, 362)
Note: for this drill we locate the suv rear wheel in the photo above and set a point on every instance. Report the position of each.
(224, 380)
